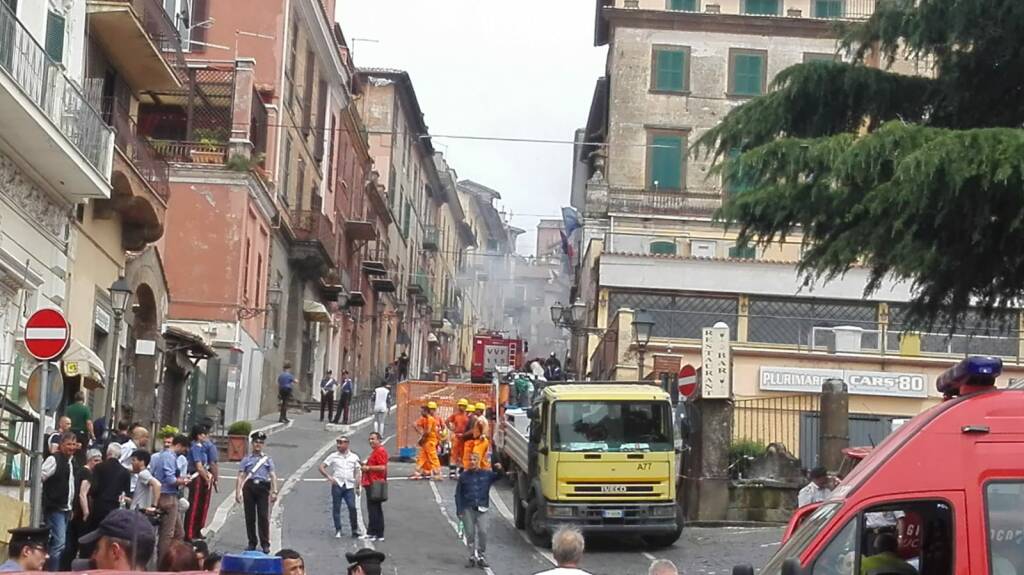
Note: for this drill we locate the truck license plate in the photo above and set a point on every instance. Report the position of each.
(613, 514)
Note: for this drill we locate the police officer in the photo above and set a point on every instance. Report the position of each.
(257, 488)
(27, 549)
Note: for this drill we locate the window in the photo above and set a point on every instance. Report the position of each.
(245, 269)
(762, 7)
(682, 5)
(259, 281)
(743, 253)
(666, 160)
(670, 69)
(828, 8)
(906, 537)
(662, 248)
(612, 426)
(820, 57)
(1004, 506)
(747, 72)
(321, 120)
(735, 182)
(289, 69)
(307, 94)
(55, 37)
(703, 248)
(406, 217)
(285, 169)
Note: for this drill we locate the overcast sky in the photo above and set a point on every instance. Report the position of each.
(521, 69)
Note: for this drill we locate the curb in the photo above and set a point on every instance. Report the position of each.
(275, 427)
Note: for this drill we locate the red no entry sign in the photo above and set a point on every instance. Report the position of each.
(687, 380)
(47, 334)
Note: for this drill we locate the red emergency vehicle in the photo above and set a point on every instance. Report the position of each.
(942, 495)
(492, 351)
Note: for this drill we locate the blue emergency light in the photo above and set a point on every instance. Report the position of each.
(976, 371)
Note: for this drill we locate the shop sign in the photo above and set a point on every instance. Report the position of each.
(858, 382)
(715, 363)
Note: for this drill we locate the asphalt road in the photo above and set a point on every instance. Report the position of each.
(420, 523)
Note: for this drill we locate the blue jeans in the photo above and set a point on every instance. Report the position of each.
(339, 494)
(57, 521)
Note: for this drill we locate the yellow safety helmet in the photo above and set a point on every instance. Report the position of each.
(470, 408)
(463, 402)
(431, 405)
(481, 406)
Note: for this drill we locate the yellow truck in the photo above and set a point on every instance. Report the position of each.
(602, 457)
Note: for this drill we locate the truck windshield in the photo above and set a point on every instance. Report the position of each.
(612, 426)
(801, 538)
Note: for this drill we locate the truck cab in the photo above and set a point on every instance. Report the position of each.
(943, 494)
(598, 456)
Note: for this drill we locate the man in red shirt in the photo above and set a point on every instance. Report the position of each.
(375, 468)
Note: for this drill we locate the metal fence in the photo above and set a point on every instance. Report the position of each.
(44, 83)
(159, 27)
(314, 226)
(768, 420)
(150, 163)
(681, 316)
(193, 124)
(659, 202)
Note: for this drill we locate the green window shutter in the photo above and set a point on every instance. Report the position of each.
(683, 5)
(828, 8)
(55, 36)
(747, 73)
(405, 219)
(667, 163)
(735, 182)
(763, 7)
(663, 248)
(743, 253)
(671, 66)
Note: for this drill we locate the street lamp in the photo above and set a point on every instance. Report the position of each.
(557, 311)
(120, 295)
(274, 294)
(578, 312)
(643, 325)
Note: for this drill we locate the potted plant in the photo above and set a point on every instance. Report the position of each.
(167, 431)
(238, 440)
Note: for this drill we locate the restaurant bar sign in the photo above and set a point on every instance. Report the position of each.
(888, 383)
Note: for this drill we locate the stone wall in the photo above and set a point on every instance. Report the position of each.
(755, 501)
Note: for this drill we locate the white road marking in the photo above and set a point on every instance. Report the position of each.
(507, 514)
(444, 512)
(771, 544)
(289, 484)
(649, 557)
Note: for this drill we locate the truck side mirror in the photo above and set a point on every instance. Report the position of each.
(743, 570)
(532, 413)
(791, 566)
(543, 450)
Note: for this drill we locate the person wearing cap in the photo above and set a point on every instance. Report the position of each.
(58, 474)
(256, 488)
(473, 498)
(27, 550)
(327, 386)
(819, 489)
(123, 541)
(200, 489)
(365, 562)
(342, 470)
(457, 423)
(428, 427)
(479, 444)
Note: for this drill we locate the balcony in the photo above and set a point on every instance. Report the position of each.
(661, 202)
(359, 230)
(437, 318)
(140, 40)
(355, 299)
(217, 118)
(314, 240)
(453, 314)
(383, 284)
(48, 124)
(140, 182)
(818, 9)
(431, 238)
(375, 258)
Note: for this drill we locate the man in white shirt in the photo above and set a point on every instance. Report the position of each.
(138, 440)
(819, 489)
(380, 407)
(342, 471)
(567, 549)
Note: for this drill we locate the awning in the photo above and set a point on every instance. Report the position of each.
(80, 361)
(189, 343)
(431, 338)
(315, 311)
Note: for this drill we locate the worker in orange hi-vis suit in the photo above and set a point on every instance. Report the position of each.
(479, 445)
(428, 426)
(457, 423)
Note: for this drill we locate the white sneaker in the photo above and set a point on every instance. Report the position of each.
(367, 537)
(337, 534)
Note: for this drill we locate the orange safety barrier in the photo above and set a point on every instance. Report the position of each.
(411, 395)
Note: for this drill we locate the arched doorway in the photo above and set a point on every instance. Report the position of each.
(143, 359)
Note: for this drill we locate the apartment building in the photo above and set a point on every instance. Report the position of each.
(674, 69)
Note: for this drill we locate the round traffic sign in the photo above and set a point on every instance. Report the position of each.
(687, 380)
(54, 386)
(47, 334)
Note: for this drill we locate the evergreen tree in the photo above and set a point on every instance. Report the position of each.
(919, 178)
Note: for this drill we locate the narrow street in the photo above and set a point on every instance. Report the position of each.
(421, 525)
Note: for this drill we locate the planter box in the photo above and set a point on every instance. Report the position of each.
(238, 447)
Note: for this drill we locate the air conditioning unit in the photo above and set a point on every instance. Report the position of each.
(847, 338)
(703, 248)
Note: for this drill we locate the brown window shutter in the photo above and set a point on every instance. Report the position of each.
(200, 14)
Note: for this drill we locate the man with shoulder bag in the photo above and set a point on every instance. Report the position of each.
(375, 482)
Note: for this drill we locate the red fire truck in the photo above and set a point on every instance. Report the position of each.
(493, 351)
